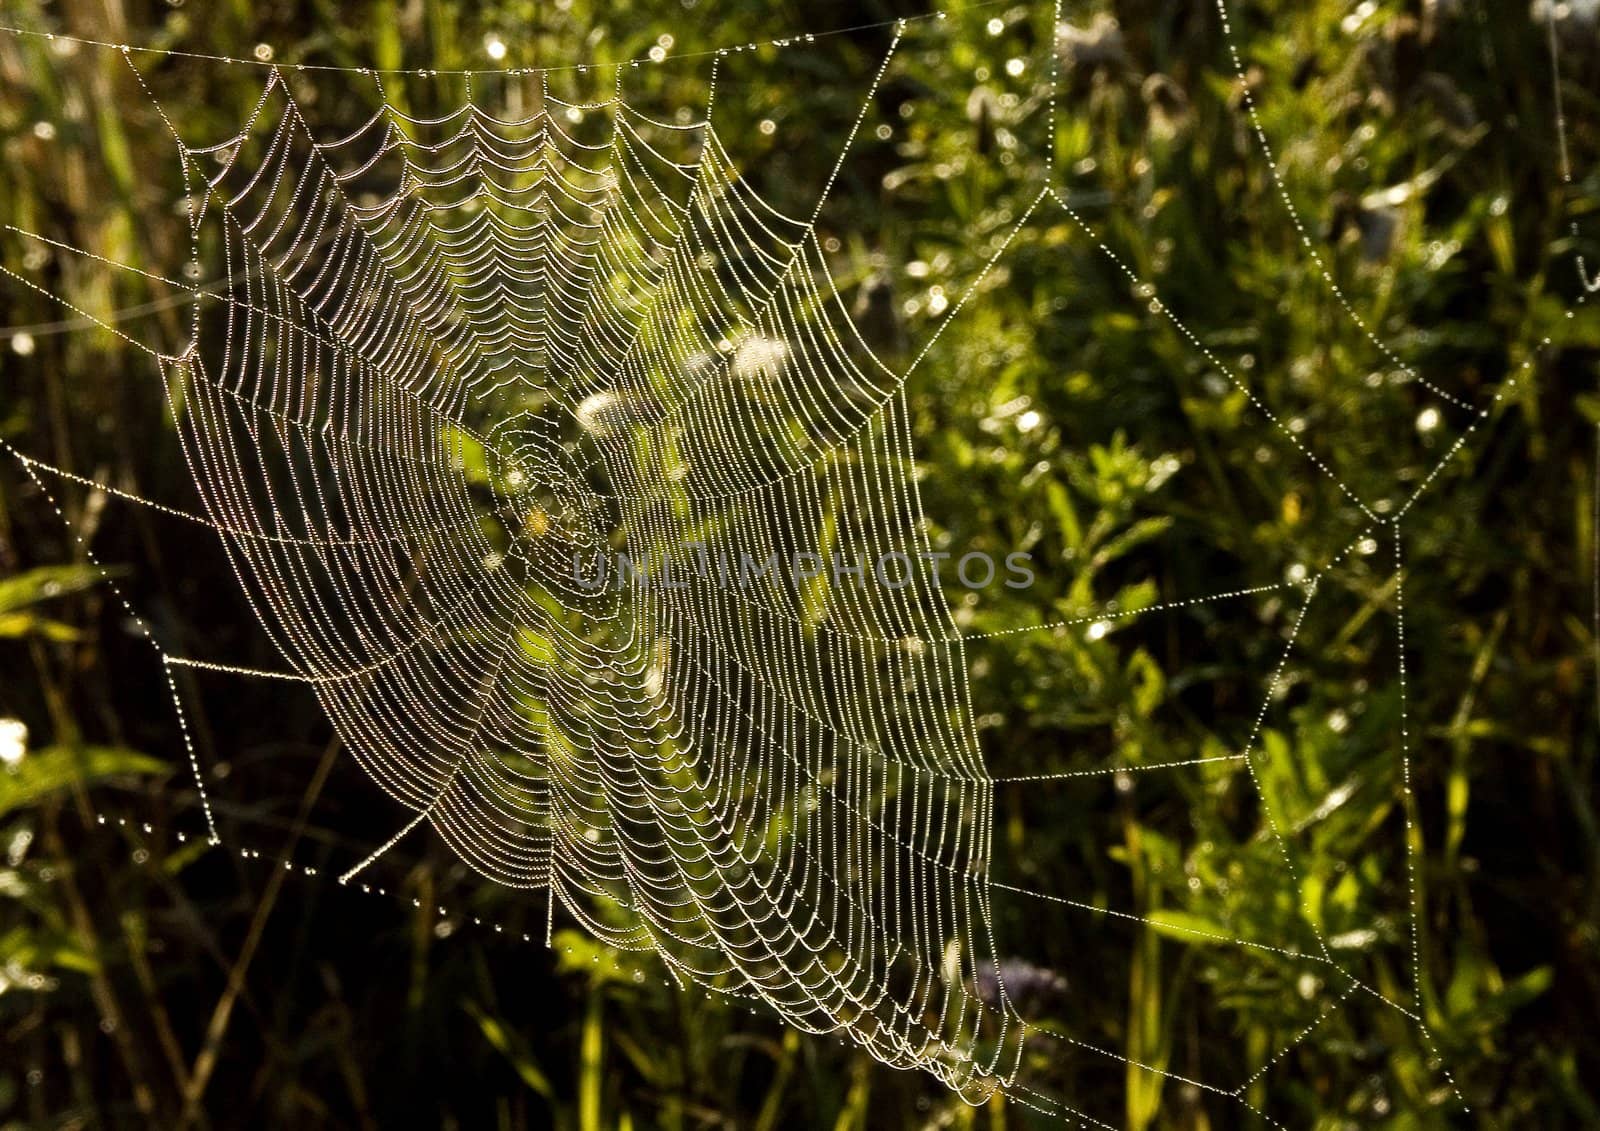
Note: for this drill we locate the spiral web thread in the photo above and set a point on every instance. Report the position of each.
(454, 356)
(436, 314)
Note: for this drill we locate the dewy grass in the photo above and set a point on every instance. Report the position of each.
(1209, 388)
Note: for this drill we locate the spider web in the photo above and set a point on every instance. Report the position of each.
(455, 356)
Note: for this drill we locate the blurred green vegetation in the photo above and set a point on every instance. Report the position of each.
(145, 980)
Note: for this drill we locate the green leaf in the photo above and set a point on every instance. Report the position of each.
(53, 769)
(465, 452)
(536, 647)
(591, 1062)
(514, 1049)
(1135, 535)
(185, 854)
(45, 583)
(14, 626)
(45, 948)
(1147, 683)
(1186, 927)
(1066, 517)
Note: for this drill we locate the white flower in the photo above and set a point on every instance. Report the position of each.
(599, 412)
(758, 357)
(13, 741)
